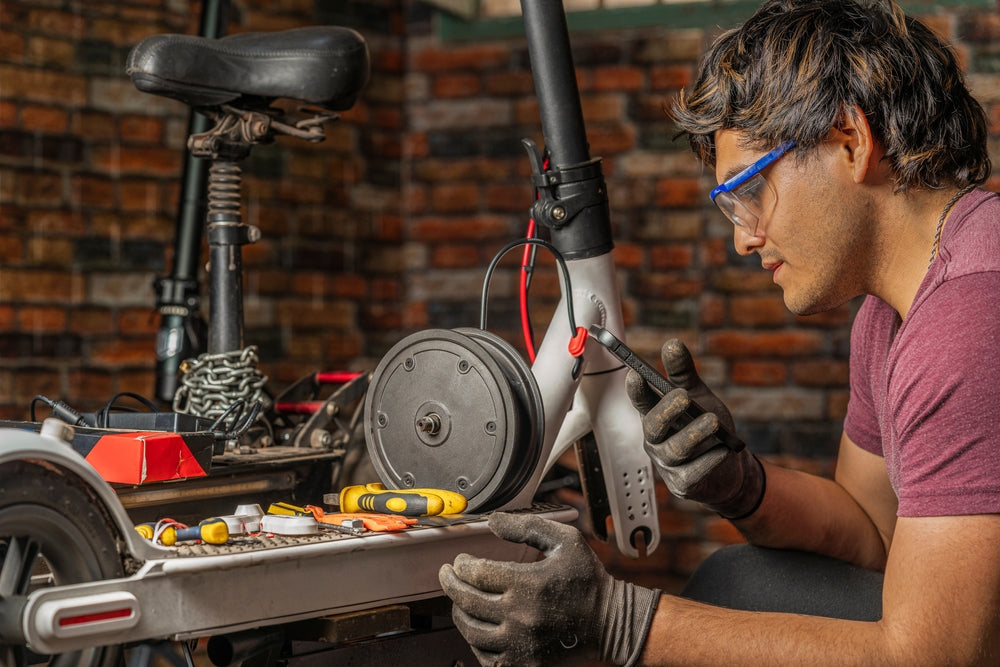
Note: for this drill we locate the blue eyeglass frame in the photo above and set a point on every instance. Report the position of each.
(751, 171)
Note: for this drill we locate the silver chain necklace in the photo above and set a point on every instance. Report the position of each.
(940, 223)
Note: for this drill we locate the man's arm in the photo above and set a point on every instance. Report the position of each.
(941, 605)
(850, 518)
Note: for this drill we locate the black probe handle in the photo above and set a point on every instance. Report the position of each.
(661, 386)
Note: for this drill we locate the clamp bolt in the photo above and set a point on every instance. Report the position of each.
(430, 424)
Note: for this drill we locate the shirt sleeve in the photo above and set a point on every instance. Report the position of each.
(944, 401)
(861, 422)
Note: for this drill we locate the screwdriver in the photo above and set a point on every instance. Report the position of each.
(211, 531)
(375, 497)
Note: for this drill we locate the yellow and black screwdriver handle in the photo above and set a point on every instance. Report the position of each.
(406, 502)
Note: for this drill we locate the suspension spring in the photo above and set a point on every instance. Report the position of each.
(224, 182)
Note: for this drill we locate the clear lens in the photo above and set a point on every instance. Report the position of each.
(745, 205)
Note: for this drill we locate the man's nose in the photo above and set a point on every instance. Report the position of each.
(745, 242)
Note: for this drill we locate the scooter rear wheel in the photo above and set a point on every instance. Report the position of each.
(51, 533)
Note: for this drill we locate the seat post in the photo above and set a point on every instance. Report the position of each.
(226, 236)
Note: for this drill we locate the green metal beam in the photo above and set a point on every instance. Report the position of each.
(710, 15)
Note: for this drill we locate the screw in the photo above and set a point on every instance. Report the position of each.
(558, 213)
(408, 480)
(431, 424)
(320, 438)
(491, 427)
(462, 483)
(463, 366)
(408, 363)
(382, 419)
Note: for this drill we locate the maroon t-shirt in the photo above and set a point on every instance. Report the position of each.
(925, 392)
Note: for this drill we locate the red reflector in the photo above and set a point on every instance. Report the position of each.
(93, 618)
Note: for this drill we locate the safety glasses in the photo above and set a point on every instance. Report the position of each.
(743, 197)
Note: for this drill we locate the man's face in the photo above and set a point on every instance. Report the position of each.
(812, 234)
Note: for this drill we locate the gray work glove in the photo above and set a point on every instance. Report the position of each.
(562, 609)
(729, 483)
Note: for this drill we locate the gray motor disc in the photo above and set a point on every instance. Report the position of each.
(441, 412)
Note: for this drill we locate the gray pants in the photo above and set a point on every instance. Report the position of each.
(756, 579)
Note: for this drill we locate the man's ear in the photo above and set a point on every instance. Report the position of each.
(854, 141)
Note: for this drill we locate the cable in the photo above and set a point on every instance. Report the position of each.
(101, 418)
(527, 267)
(60, 410)
(575, 332)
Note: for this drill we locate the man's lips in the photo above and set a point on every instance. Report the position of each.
(773, 268)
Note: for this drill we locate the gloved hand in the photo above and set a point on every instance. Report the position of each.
(562, 609)
(729, 483)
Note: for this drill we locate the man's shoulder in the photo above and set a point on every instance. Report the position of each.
(971, 242)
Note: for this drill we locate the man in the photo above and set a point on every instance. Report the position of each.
(847, 149)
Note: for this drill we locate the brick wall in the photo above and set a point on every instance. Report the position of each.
(386, 228)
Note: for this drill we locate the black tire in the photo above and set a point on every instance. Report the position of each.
(49, 525)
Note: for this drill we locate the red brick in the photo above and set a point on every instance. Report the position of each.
(477, 228)
(17, 285)
(40, 189)
(837, 404)
(455, 85)
(670, 77)
(509, 83)
(715, 252)
(608, 139)
(455, 198)
(91, 320)
(57, 53)
(44, 118)
(670, 256)
(500, 197)
(820, 373)
(48, 251)
(41, 319)
(123, 351)
(671, 192)
(43, 86)
(138, 321)
(755, 311)
(415, 315)
(618, 78)
(663, 286)
(344, 347)
(712, 309)
(95, 125)
(11, 46)
(454, 256)
(94, 384)
(628, 255)
(603, 108)
(8, 318)
(8, 113)
(69, 24)
(759, 373)
(310, 314)
(146, 160)
(771, 344)
(386, 289)
(11, 249)
(457, 58)
(31, 382)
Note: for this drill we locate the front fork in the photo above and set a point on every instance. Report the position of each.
(596, 402)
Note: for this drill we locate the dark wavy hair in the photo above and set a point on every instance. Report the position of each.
(795, 66)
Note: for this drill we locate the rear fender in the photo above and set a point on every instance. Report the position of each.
(50, 450)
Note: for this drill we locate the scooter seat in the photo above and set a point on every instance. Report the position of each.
(322, 65)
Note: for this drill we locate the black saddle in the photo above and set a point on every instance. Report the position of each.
(324, 65)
